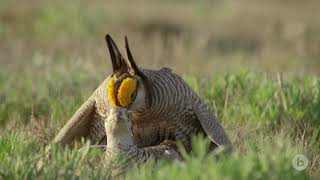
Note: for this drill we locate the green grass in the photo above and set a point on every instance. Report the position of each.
(219, 35)
(268, 119)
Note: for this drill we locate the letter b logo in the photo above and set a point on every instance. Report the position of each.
(300, 162)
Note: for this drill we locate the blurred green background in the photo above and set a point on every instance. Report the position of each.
(217, 36)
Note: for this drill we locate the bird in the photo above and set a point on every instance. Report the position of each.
(121, 152)
(161, 106)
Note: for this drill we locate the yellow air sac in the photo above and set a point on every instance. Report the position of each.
(127, 87)
(111, 95)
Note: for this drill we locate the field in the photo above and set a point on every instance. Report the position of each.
(255, 63)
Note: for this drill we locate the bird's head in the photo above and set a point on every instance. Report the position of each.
(128, 87)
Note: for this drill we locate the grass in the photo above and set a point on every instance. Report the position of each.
(269, 123)
(52, 57)
(219, 35)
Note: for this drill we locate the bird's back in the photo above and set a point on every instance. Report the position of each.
(171, 116)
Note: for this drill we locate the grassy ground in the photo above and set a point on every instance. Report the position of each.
(268, 121)
(52, 57)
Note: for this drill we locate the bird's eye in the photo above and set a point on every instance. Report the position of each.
(133, 95)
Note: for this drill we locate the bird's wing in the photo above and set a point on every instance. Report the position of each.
(166, 150)
(78, 125)
(210, 124)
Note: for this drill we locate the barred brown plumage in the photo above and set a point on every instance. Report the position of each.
(164, 108)
(121, 151)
